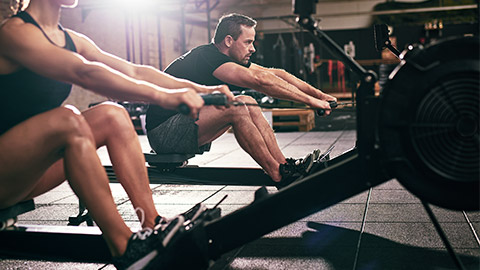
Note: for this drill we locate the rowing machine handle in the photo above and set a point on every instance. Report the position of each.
(209, 99)
(333, 105)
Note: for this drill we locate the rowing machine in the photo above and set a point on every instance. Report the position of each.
(422, 130)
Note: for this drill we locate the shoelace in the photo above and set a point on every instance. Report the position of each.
(145, 232)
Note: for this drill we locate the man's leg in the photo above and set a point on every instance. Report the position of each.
(254, 135)
(264, 128)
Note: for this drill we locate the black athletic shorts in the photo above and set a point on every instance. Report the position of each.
(178, 134)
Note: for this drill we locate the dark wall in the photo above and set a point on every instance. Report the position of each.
(291, 57)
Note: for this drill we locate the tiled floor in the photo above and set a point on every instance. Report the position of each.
(385, 227)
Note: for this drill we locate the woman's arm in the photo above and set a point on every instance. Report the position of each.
(25, 45)
(90, 51)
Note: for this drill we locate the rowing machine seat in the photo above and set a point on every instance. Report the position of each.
(8, 216)
(172, 160)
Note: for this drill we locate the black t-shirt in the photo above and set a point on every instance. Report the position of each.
(25, 93)
(196, 65)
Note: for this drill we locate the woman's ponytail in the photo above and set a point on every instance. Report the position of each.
(17, 5)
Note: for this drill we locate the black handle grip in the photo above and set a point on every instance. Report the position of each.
(184, 109)
(333, 105)
(215, 99)
(209, 99)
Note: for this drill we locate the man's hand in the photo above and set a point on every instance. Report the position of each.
(323, 102)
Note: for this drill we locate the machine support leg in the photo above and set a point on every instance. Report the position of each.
(316, 192)
(443, 236)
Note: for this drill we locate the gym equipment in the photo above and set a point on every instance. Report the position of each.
(382, 39)
(423, 130)
(431, 142)
(221, 100)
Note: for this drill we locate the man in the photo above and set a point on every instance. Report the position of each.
(227, 61)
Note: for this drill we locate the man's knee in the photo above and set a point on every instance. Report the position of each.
(242, 110)
(252, 111)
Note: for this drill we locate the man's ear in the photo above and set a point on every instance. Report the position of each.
(228, 41)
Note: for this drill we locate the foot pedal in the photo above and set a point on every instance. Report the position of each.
(260, 194)
(201, 213)
(322, 161)
(83, 216)
(326, 156)
(314, 156)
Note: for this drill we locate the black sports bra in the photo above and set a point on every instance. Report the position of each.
(24, 93)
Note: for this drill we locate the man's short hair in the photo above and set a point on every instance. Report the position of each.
(230, 25)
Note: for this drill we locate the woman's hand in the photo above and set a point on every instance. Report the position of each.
(188, 96)
(217, 89)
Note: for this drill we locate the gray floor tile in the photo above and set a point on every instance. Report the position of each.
(397, 234)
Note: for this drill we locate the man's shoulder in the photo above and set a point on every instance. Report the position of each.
(210, 48)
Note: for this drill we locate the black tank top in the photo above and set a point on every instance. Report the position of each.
(24, 93)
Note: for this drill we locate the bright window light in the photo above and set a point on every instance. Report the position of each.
(144, 5)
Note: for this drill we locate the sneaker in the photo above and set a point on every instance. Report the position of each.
(145, 246)
(289, 173)
(293, 161)
(304, 165)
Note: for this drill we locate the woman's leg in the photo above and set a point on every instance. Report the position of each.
(27, 153)
(253, 135)
(111, 126)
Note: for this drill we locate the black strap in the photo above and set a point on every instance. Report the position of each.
(69, 45)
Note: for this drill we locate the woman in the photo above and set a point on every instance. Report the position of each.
(42, 143)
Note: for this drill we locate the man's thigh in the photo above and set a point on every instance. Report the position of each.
(178, 134)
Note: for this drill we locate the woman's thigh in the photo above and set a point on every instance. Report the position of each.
(31, 149)
(109, 119)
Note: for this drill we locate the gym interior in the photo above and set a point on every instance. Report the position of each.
(356, 211)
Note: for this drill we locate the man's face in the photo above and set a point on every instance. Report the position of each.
(243, 48)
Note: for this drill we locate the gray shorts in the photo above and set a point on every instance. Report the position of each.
(179, 134)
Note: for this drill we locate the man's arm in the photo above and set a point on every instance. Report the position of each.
(90, 51)
(267, 82)
(300, 84)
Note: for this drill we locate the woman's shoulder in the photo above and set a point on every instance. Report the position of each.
(11, 22)
(16, 26)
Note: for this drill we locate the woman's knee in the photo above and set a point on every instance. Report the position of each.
(69, 123)
(113, 116)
